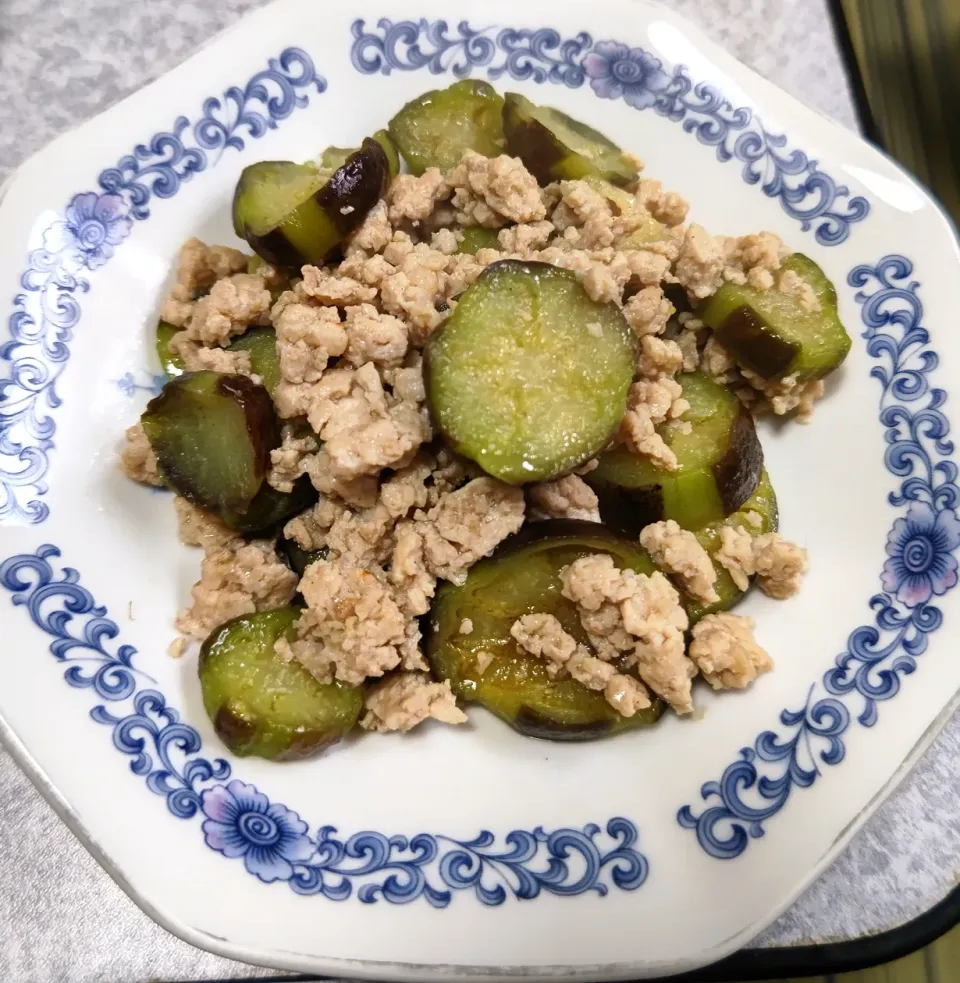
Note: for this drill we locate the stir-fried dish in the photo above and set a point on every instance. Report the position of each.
(479, 431)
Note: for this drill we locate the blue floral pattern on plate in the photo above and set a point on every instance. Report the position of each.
(921, 565)
(618, 71)
(241, 822)
(94, 225)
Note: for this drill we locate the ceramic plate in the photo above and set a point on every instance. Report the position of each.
(470, 851)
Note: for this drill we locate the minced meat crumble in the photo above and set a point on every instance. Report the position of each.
(397, 512)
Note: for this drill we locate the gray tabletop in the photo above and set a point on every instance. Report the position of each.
(61, 916)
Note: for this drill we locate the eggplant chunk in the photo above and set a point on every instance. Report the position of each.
(290, 215)
(271, 509)
(523, 577)
(260, 705)
(171, 363)
(298, 559)
(763, 502)
(212, 434)
(476, 237)
(261, 343)
(556, 147)
(773, 334)
(719, 465)
(437, 128)
(529, 376)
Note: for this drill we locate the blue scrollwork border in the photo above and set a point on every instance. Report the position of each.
(240, 822)
(615, 70)
(94, 224)
(921, 566)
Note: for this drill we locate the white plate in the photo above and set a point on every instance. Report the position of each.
(471, 851)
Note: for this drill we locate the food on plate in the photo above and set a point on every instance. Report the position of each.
(487, 665)
(792, 331)
(529, 376)
(263, 706)
(714, 465)
(477, 433)
(296, 213)
(170, 361)
(212, 435)
(261, 347)
(437, 128)
(555, 147)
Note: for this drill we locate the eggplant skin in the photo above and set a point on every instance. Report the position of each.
(757, 347)
(356, 187)
(262, 423)
(737, 473)
(530, 723)
(212, 435)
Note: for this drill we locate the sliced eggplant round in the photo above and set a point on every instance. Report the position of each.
(719, 465)
(439, 127)
(773, 334)
(260, 705)
(556, 147)
(523, 577)
(290, 215)
(529, 376)
(212, 435)
(171, 363)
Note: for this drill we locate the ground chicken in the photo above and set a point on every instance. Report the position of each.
(236, 579)
(493, 191)
(525, 237)
(137, 460)
(785, 395)
(678, 552)
(232, 305)
(413, 199)
(362, 429)
(699, 268)
(414, 584)
(407, 699)
(351, 628)
(790, 282)
(658, 357)
(334, 289)
(780, 565)
(287, 460)
(649, 404)
(374, 234)
(375, 337)
(569, 497)
(468, 524)
(648, 311)
(665, 206)
(726, 653)
(736, 555)
(307, 338)
(542, 635)
(199, 266)
(647, 609)
(198, 527)
(199, 358)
